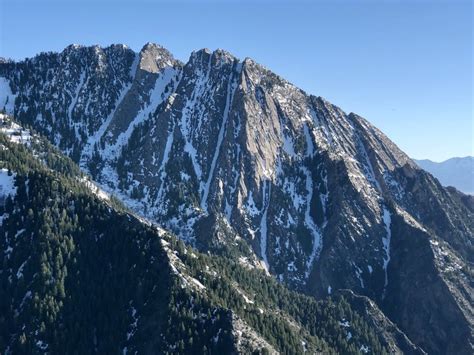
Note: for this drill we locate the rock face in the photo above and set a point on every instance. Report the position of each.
(219, 148)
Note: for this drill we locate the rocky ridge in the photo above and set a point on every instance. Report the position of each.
(218, 149)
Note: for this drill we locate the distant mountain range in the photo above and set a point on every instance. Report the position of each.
(456, 172)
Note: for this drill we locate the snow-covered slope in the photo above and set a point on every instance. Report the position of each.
(219, 149)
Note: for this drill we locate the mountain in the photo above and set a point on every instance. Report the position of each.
(82, 274)
(223, 152)
(456, 172)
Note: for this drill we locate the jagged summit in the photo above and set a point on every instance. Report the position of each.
(207, 55)
(153, 58)
(200, 52)
(149, 45)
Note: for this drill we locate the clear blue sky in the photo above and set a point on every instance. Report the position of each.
(404, 65)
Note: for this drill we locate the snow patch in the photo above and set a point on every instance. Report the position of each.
(266, 191)
(252, 210)
(308, 220)
(19, 273)
(288, 145)
(231, 86)
(387, 219)
(134, 325)
(41, 345)
(344, 323)
(309, 141)
(96, 190)
(76, 96)
(95, 138)
(164, 161)
(13, 131)
(244, 296)
(7, 184)
(7, 99)
(157, 96)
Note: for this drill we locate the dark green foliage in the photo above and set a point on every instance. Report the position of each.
(319, 321)
(83, 276)
(88, 269)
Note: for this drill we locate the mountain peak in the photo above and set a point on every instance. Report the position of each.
(201, 52)
(207, 53)
(151, 46)
(154, 57)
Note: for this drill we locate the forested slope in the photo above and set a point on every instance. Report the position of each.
(81, 274)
